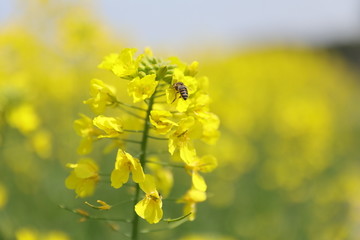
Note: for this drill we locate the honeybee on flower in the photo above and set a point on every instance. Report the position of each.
(181, 89)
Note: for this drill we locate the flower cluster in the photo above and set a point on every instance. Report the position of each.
(169, 104)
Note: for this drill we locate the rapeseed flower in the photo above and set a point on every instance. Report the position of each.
(142, 88)
(102, 95)
(175, 104)
(160, 119)
(85, 128)
(84, 177)
(122, 64)
(180, 140)
(124, 165)
(150, 208)
(110, 125)
(190, 199)
(163, 176)
(24, 118)
(205, 164)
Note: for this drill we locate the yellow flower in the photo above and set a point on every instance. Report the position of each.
(123, 64)
(142, 88)
(125, 163)
(102, 95)
(210, 123)
(84, 128)
(41, 142)
(190, 199)
(24, 118)
(180, 139)
(205, 164)
(192, 69)
(111, 126)
(160, 120)
(26, 234)
(83, 178)
(189, 70)
(150, 208)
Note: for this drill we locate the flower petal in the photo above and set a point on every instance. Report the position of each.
(119, 177)
(198, 181)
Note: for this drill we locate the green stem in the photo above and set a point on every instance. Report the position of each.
(144, 142)
(158, 138)
(131, 106)
(167, 164)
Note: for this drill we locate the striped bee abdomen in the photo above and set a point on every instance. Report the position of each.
(182, 90)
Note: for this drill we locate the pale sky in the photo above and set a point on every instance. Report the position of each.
(197, 23)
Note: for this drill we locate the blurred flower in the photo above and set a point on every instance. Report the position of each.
(192, 69)
(26, 234)
(83, 178)
(84, 127)
(41, 142)
(150, 208)
(209, 121)
(125, 163)
(24, 118)
(31, 234)
(190, 199)
(102, 95)
(164, 179)
(205, 164)
(142, 88)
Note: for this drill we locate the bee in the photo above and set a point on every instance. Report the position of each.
(181, 89)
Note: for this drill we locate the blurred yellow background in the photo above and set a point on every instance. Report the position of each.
(288, 152)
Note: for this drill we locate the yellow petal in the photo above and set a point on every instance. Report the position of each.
(85, 146)
(138, 175)
(142, 88)
(187, 154)
(85, 188)
(119, 177)
(71, 181)
(190, 208)
(140, 208)
(149, 210)
(207, 163)
(198, 182)
(148, 185)
(153, 212)
(86, 168)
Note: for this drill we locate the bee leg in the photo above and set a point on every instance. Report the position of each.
(173, 100)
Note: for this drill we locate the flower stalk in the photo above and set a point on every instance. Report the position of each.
(143, 149)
